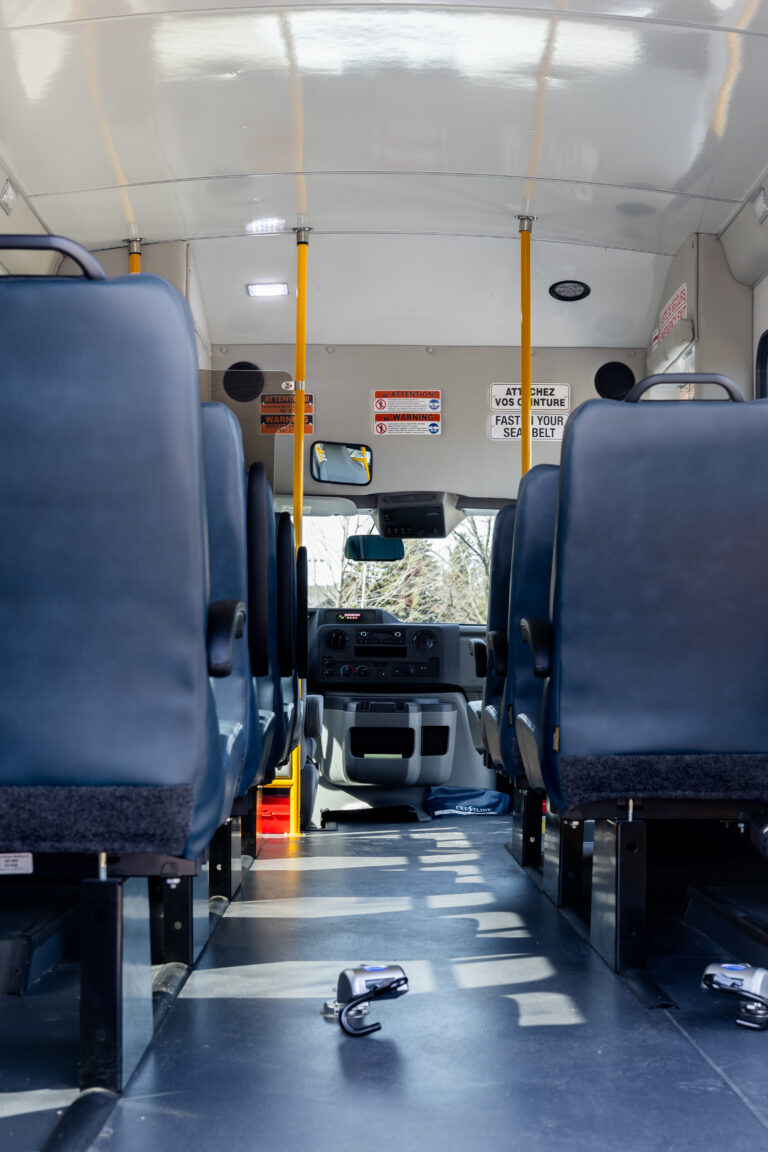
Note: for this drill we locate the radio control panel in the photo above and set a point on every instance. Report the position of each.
(353, 649)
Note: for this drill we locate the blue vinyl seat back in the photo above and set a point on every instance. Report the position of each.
(108, 728)
(235, 695)
(660, 608)
(497, 622)
(529, 594)
(286, 631)
(262, 619)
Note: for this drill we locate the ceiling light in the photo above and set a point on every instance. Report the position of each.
(265, 225)
(569, 290)
(267, 289)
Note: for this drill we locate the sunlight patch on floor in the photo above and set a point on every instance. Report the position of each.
(446, 839)
(454, 858)
(318, 907)
(500, 971)
(460, 899)
(295, 979)
(37, 1100)
(328, 863)
(492, 921)
(463, 873)
(546, 1009)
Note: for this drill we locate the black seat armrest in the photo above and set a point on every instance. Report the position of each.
(480, 653)
(538, 634)
(527, 733)
(226, 623)
(498, 645)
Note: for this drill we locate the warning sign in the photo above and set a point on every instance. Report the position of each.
(674, 310)
(407, 424)
(544, 425)
(544, 397)
(407, 400)
(283, 425)
(277, 410)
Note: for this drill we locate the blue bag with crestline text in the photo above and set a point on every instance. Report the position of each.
(443, 801)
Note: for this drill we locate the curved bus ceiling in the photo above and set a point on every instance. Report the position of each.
(411, 137)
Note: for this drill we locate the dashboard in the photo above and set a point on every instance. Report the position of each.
(372, 647)
(395, 697)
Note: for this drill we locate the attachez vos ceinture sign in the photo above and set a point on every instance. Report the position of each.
(550, 405)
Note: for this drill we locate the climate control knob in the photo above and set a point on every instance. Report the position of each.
(362, 670)
(346, 671)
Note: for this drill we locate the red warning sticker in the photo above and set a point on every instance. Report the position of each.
(407, 423)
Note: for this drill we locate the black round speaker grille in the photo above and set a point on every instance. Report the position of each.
(614, 380)
(243, 382)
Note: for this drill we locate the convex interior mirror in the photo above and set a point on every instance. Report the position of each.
(374, 548)
(333, 463)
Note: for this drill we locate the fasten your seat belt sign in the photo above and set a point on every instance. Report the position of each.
(550, 406)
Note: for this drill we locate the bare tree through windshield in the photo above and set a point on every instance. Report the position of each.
(438, 581)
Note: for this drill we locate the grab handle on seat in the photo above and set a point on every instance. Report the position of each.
(92, 270)
(733, 390)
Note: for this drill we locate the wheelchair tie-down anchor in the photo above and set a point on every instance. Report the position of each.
(749, 985)
(357, 987)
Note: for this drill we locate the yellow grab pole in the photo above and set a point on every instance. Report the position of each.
(526, 226)
(302, 245)
(134, 256)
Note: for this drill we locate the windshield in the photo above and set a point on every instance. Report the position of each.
(441, 581)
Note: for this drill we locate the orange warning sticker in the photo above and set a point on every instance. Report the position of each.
(282, 424)
(277, 409)
(279, 402)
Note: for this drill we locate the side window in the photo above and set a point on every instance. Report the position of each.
(761, 368)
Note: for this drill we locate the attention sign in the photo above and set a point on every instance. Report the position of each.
(407, 400)
(277, 410)
(407, 412)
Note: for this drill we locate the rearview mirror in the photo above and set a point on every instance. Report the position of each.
(332, 463)
(374, 548)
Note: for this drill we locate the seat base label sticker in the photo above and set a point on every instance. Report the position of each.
(15, 863)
